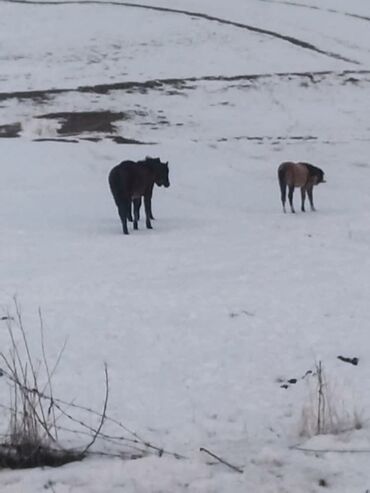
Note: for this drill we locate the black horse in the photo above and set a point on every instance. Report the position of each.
(130, 180)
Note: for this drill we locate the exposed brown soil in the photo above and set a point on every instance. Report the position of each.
(11, 130)
(180, 84)
(69, 141)
(269, 138)
(73, 123)
(121, 140)
(26, 456)
(96, 125)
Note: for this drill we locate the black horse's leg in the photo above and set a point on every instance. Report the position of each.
(138, 210)
(137, 204)
(129, 212)
(150, 203)
(147, 210)
(290, 196)
(303, 196)
(310, 197)
(122, 211)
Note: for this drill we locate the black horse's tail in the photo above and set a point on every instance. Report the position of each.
(115, 184)
(282, 183)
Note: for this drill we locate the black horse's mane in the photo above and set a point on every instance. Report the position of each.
(149, 160)
(313, 170)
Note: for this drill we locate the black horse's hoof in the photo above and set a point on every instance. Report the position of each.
(149, 226)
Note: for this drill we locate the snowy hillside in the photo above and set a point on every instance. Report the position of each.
(202, 320)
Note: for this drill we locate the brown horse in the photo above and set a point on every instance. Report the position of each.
(303, 175)
(129, 181)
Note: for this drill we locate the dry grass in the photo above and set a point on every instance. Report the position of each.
(326, 411)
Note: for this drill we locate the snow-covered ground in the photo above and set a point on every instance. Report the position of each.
(201, 320)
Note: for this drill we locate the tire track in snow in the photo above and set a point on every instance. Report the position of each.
(267, 32)
(314, 7)
(179, 83)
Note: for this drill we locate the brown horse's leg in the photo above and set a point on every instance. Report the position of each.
(303, 197)
(147, 210)
(290, 196)
(310, 197)
(137, 204)
(283, 195)
(282, 183)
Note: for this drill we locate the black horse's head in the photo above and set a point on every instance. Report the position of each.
(161, 171)
(319, 176)
(316, 173)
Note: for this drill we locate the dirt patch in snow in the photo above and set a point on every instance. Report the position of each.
(77, 122)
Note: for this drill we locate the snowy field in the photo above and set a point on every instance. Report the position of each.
(202, 319)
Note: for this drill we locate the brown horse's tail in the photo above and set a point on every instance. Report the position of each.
(282, 182)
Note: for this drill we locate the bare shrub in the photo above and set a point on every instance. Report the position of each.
(36, 417)
(32, 438)
(326, 411)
